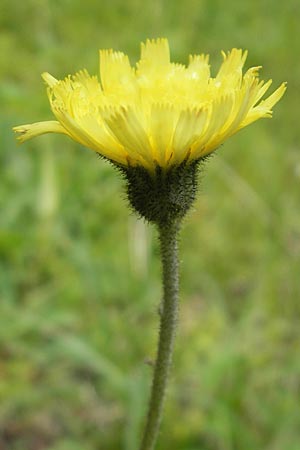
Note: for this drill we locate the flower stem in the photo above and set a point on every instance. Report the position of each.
(168, 323)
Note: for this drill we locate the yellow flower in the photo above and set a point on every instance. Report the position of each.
(157, 113)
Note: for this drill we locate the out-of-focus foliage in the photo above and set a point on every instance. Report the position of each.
(79, 276)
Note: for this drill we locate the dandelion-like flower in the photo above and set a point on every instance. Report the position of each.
(157, 113)
(157, 122)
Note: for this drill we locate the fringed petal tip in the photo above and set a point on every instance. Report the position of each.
(280, 91)
(49, 79)
(26, 132)
(274, 98)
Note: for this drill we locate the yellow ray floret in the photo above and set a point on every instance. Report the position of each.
(157, 113)
(29, 131)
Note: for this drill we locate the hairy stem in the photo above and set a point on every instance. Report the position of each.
(168, 323)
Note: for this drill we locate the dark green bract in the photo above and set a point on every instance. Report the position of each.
(164, 196)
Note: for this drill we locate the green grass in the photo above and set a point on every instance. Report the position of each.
(80, 277)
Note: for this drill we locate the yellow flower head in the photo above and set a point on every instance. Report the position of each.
(157, 113)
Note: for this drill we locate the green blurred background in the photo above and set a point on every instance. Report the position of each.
(80, 276)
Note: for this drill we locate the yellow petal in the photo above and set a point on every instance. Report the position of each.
(76, 131)
(189, 128)
(128, 130)
(60, 94)
(274, 98)
(156, 50)
(105, 143)
(263, 87)
(50, 80)
(244, 99)
(264, 108)
(230, 72)
(155, 55)
(162, 123)
(198, 67)
(116, 72)
(89, 85)
(220, 113)
(32, 130)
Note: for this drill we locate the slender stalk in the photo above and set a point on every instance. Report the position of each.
(167, 331)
